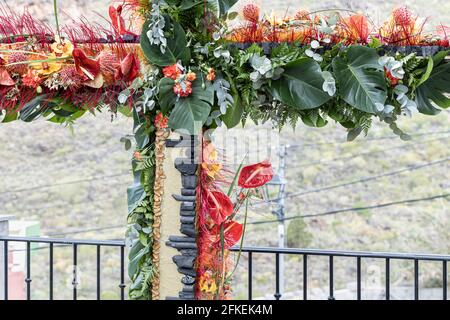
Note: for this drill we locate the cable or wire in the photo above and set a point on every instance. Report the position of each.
(365, 179)
(86, 230)
(64, 183)
(370, 178)
(340, 142)
(353, 156)
(355, 209)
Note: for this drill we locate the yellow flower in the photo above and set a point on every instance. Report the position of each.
(207, 284)
(212, 169)
(62, 48)
(49, 66)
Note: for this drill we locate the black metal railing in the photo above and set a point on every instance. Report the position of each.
(53, 244)
(251, 252)
(332, 254)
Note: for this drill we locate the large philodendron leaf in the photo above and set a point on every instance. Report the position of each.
(222, 6)
(300, 85)
(360, 78)
(191, 113)
(432, 92)
(176, 48)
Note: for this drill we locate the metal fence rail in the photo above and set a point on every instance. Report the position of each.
(250, 251)
(331, 254)
(53, 244)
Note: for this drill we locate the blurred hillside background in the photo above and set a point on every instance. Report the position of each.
(72, 181)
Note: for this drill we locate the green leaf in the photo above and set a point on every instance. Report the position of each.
(300, 85)
(427, 73)
(10, 116)
(222, 6)
(433, 91)
(354, 133)
(135, 256)
(314, 120)
(189, 115)
(176, 46)
(360, 78)
(32, 109)
(188, 4)
(167, 97)
(234, 113)
(136, 194)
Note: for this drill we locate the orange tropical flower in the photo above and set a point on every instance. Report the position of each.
(31, 79)
(256, 175)
(191, 76)
(48, 67)
(211, 76)
(62, 47)
(173, 72)
(161, 121)
(212, 169)
(5, 78)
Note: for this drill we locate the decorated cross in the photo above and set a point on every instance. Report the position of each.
(183, 67)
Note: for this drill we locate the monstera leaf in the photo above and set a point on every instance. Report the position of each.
(167, 97)
(191, 113)
(432, 91)
(176, 45)
(300, 85)
(361, 78)
(222, 6)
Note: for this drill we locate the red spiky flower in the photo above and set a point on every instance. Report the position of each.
(251, 13)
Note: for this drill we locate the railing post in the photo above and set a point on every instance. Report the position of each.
(99, 272)
(444, 280)
(358, 278)
(122, 273)
(250, 276)
(277, 294)
(50, 271)
(28, 278)
(4, 231)
(305, 277)
(331, 265)
(388, 279)
(75, 271)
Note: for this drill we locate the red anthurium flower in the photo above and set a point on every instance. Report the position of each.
(255, 175)
(118, 22)
(129, 67)
(219, 205)
(84, 65)
(232, 233)
(5, 78)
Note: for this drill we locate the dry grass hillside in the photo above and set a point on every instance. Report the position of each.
(73, 179)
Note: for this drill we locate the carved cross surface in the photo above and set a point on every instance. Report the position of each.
(192, 65)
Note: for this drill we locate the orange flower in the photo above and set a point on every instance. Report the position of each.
(212, 169)
(251, 13)
(355, 29)
(211, 76)
(62, 48)
(31, 79)
(137, 155)
(183, 89)
(48, 67)
(191, 76)
(161, 121)
(5, 78)
(173, 72)
(256, 175)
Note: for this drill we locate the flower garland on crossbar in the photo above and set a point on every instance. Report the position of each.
(196, 65)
